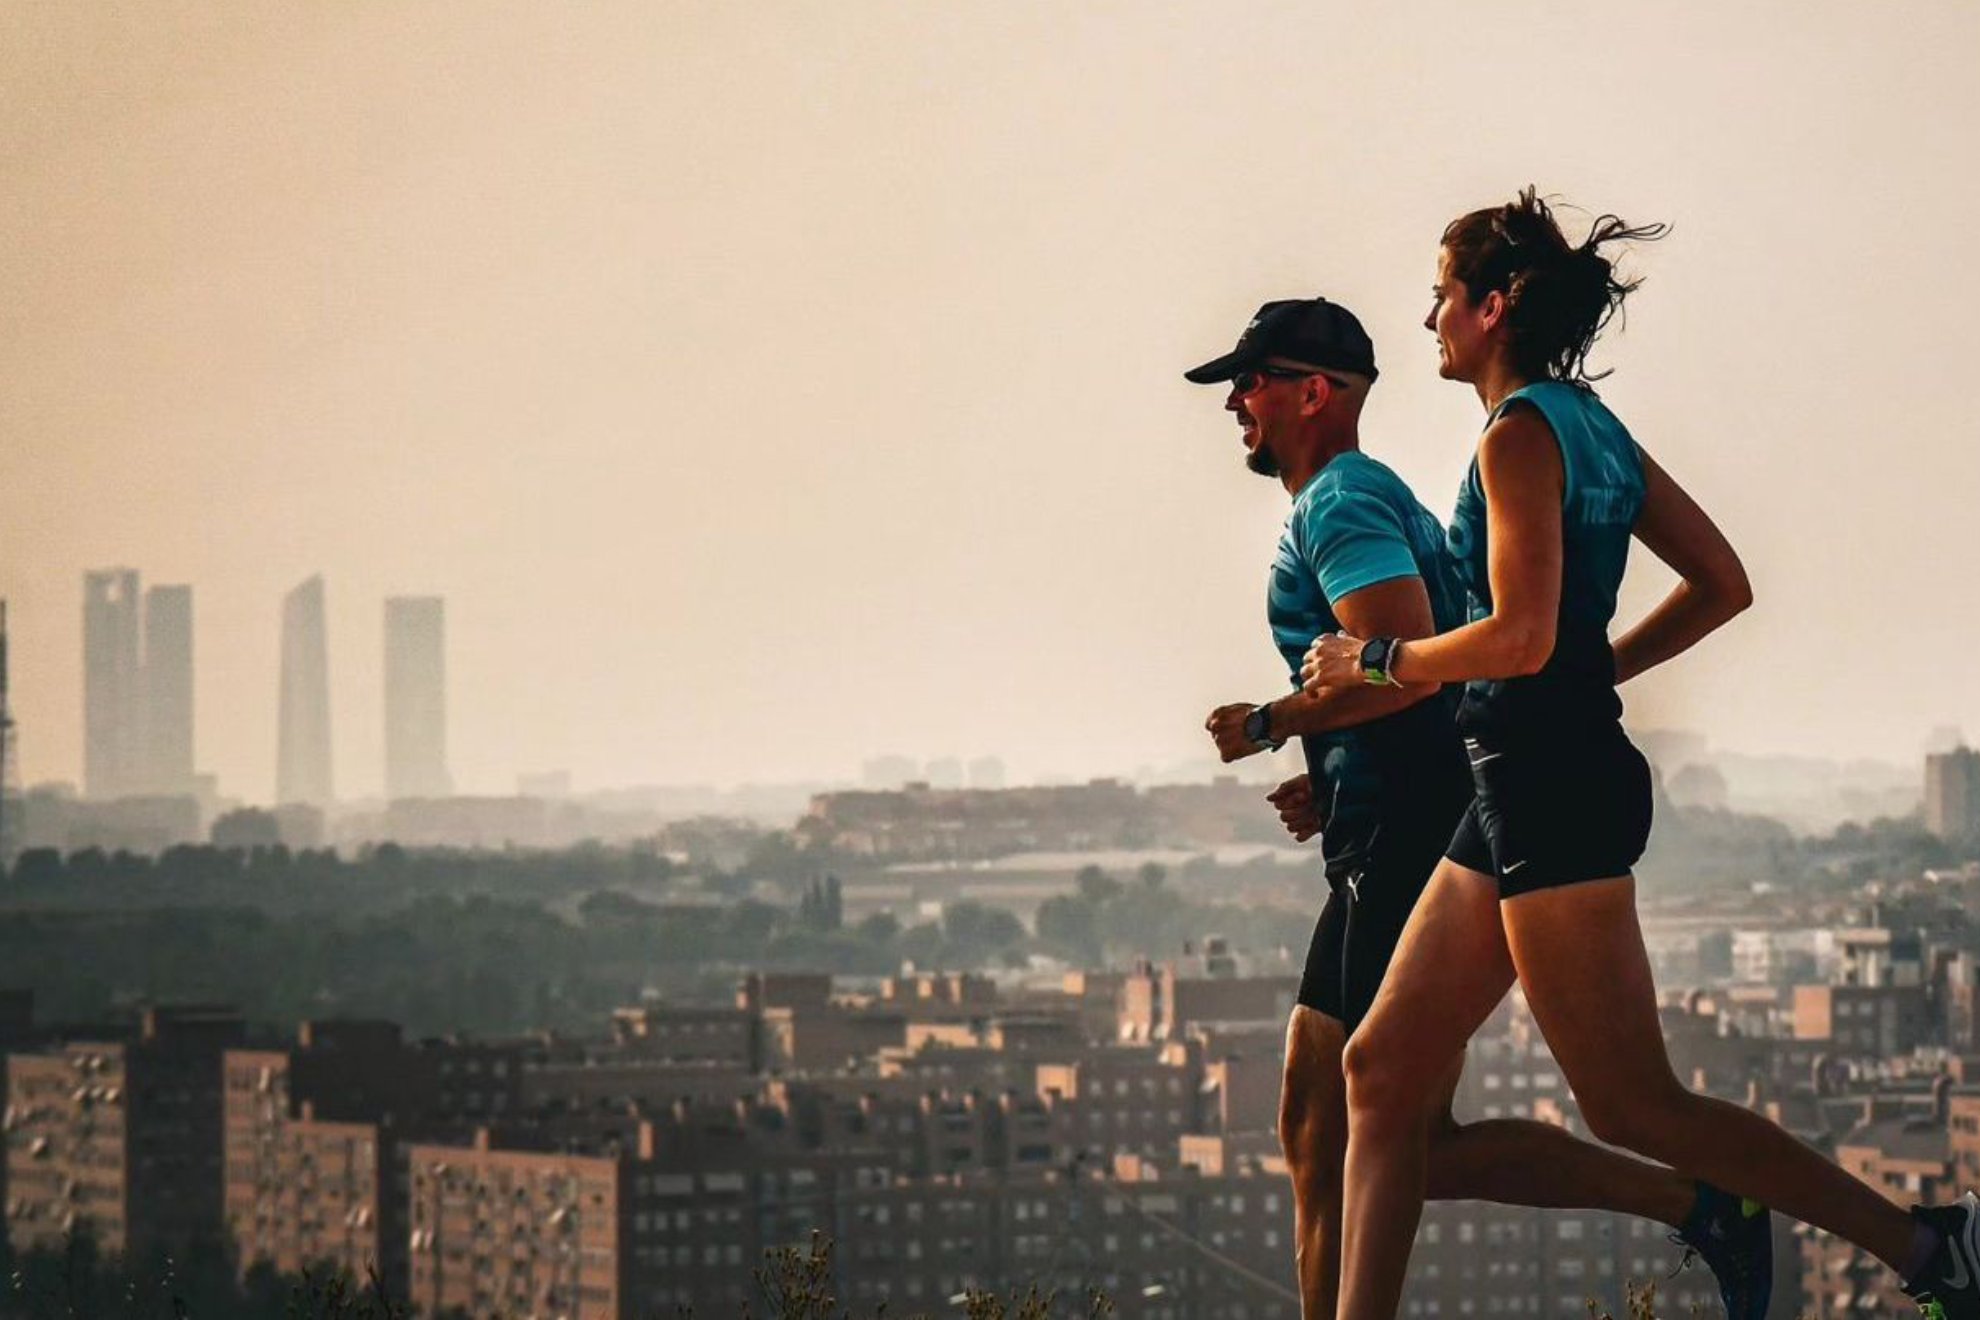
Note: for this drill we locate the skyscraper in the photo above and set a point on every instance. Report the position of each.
(302, 752)
(416, 698)
(1952, 793)
(167, 758)
(112, 684)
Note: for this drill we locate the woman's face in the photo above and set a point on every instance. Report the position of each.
(1463, 328)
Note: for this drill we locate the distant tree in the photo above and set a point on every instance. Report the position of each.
(1071, 924)
(1095, 885)
(38, 866)
(880, 928)
(1150, 918)
(921, 944)
(605, 905)
(776, 856)
(751, 923)
(976, 932)
(821, 907)
(1153, 875)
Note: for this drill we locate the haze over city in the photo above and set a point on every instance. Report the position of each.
(764, 388)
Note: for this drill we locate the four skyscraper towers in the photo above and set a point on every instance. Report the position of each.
(138, 693)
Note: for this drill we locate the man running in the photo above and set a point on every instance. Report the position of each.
(1387, 782)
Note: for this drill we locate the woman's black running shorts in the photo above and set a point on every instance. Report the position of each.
(1555, 811)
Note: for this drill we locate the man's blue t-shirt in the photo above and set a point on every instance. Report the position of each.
(1354, 525)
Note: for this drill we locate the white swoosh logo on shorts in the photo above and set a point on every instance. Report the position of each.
(1514, 866)
(1964, 1248)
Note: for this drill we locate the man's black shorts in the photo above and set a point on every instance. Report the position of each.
(1555, 812)
(1369, 901)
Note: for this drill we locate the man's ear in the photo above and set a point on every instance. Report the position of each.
(1319, 391)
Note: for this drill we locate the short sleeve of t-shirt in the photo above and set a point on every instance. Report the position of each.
(1352, 538)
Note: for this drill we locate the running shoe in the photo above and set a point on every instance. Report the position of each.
(1735, 1238)
(1948, 1288)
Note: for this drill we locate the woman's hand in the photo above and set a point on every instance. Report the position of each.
(1333, 661)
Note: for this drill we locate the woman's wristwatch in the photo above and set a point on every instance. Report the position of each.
(1378, 661)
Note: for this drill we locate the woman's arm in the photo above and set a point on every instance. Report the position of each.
(1397, 608)
(1713, 586)
(1519, 464)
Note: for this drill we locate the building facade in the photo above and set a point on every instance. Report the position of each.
(120, 1138)
(1952, 793)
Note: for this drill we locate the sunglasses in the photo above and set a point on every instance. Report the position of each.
(1247, 381)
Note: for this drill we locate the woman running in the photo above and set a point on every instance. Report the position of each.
(1537, 884)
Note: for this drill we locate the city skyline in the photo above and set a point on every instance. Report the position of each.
(156, 736)
(739, 377)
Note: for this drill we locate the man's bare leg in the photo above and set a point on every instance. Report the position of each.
(1313, 1132)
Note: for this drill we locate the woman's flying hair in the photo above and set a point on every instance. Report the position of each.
(1558, 297)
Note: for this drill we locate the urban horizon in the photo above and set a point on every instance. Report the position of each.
(139, 715)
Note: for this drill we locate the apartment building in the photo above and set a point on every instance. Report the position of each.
(119, 1136)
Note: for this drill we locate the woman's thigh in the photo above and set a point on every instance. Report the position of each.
(1582, 964)
(1451, 968)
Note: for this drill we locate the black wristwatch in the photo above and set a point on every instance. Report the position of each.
(1258, 727)
(1378, 659)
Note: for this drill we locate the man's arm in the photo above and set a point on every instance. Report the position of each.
(1399, 607)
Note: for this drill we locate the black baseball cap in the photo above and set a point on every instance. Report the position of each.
(1311, 331)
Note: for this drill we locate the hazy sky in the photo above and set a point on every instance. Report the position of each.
(766, 386)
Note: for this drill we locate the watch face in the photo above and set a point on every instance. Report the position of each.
(1257, 725)
(1375, 654)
